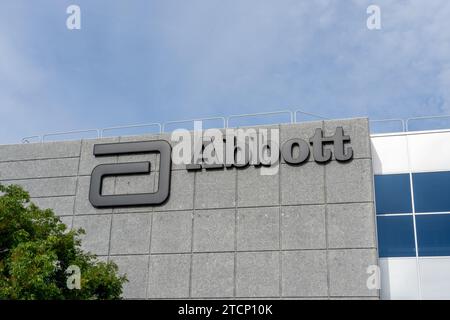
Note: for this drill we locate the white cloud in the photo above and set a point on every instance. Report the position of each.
(232, 57)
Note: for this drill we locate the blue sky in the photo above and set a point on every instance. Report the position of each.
(140, 61)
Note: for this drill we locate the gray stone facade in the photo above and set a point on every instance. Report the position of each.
(306, 232)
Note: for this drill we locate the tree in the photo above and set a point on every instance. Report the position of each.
(37, 250)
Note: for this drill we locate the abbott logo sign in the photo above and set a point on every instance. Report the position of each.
(213, 150)
(139, 199)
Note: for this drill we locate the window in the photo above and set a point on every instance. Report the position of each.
(393, 193)
(432, 191)
(396, 236)
(433, 234)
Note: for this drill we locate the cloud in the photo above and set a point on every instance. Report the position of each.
(20, 81)
(165, 60)
(315, 54)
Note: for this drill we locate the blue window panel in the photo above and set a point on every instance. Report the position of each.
(393, 193)
(432, 191)
(396, 236)
(433, 234)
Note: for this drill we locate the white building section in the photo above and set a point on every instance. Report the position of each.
(420, 277)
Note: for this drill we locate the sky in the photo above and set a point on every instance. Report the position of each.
(142, 61)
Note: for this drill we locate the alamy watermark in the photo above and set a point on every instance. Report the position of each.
(374, 19)
(73, 21)
(374, 280)
(74, 277)
(259, 147)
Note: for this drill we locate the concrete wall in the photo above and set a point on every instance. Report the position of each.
(307, 232)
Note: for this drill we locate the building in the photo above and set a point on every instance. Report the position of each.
(412, 178)
(318, 228)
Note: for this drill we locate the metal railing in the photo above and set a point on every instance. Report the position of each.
(133, 126)
(28, 139)
(250, 115)
(292, 117)
(387, 121)
(65, 133)
(307, 114)
(222, 119)
(440, 117)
